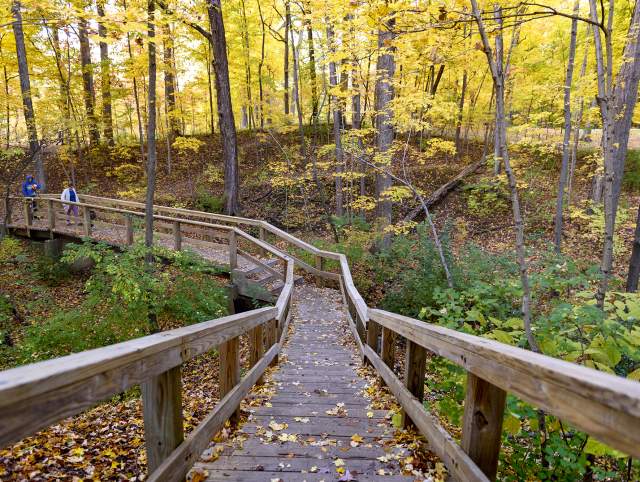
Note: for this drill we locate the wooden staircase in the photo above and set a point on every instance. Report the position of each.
(322, 324)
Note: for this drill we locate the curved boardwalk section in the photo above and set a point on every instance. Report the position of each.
(317, 424)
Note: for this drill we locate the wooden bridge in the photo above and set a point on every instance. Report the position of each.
(317, 334)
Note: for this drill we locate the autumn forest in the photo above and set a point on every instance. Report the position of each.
(476, 163)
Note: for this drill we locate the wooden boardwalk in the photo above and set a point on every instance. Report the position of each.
(319, 400)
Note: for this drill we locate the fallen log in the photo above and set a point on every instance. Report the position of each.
(440, 193)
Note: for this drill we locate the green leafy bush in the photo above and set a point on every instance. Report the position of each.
(488, 196)
(207, 202)
(127, 298)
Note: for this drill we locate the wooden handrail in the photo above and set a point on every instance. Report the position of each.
(603, 405)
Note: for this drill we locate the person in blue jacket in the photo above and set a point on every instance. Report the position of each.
(30, 187)
(30, 190)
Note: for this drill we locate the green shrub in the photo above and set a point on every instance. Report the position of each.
(50, 271)
(488, 196)
(10, 249)
(208, 202)
(631, 179)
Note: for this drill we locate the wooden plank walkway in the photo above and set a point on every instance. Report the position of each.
(318, 407)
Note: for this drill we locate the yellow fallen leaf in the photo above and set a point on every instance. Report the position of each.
(338, 462)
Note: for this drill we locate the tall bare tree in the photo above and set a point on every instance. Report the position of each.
(25, 89)
(105, 76)
(151, 126)
(87, 81)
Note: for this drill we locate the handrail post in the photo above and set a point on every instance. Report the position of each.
(177, 236)
(272, 337)
(86, 214)
(128, 227)
(233, 250)
(256, 338)
(52, 217)
(27, 215)
(162, 410)
(373, 332)
(319, 266)
(482, 424)
(261, 237)
(230, 370)
(387, 351)
(414, 370)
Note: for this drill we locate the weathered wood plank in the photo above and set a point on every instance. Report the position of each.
(256, 340)
(162, 410)
(482, 424)
(387, 351)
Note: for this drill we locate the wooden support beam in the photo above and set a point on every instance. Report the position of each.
(128, 227)
(86, 223)
(388, 349)
(482, 423)
(233, 250)
(177, 236)
(230, 370)
(319, 266)
(51, 213)
(162, 409)
(272, 338)
(414, 370)
(256, 339)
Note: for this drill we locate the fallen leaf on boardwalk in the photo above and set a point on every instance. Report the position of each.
(288, 437)
(370, 414)
(338, 462)
(313, 469)
(301, 420)
(275, 426)
(355, 440)
(197, 475)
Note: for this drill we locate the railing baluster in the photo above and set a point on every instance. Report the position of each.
(256, 338)
(373, 332)
(128, 227)
(27, 215)
(262, 237)
(319, 265)
(162, 408)
(177, 236)
(414, 371)
(230, 370)
(233, 250)
(52, 216)
(482, 424)
(86, 213)
(387, 351)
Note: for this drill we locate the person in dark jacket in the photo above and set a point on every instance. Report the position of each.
(30, 190)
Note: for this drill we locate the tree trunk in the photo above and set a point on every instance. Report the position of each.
(497, 73)
(616, 107)
(261, 65)
(151, 129)
(135, 95)
(25, 89)
(225, 109)
(337, 124)
(247, 65)
(314, 83)
(209, 63)
(287, 26)
(384, 94)
(463, 91)
(105, 76)
(170, 81)
(564, 167)
(87, 82)
(296, 99)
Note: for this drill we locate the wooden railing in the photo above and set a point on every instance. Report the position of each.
(603, 405)
(37, 395)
